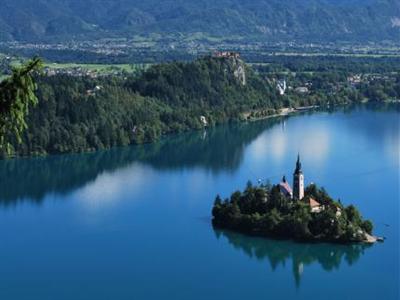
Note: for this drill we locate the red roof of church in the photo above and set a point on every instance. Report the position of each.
(285, 187)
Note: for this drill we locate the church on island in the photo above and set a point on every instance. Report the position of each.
(298, 212)
(297, 193)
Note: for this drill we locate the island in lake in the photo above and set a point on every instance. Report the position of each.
(303, 214)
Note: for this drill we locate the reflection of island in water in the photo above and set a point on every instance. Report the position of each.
(217, 149)
(278, 252)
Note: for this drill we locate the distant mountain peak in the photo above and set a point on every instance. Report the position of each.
(257, 20)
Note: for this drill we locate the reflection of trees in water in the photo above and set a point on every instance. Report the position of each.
(370, 106)
(219, 149)
(329, 256)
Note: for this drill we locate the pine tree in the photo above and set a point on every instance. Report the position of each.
(17, 94)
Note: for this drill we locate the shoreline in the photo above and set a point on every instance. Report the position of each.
(286, 111)
(282, 112)
(369, 239)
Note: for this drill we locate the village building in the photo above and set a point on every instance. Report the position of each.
(203, 121)
(92, 92)
(315, 206)
(301, 90)
(281, 86)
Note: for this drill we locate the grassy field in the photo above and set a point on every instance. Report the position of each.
(96, 68)
(100, 68)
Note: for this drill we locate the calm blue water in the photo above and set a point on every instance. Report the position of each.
(134, 223)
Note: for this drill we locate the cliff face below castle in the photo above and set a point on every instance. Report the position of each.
(239, 71)
(233, 64)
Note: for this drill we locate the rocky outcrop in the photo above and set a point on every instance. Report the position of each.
(236, 66)
(240, 72)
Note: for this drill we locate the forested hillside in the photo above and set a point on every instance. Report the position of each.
(77, 114)
(262, 20)
(86, 114)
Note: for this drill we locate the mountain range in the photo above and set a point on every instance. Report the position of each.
(241, 20)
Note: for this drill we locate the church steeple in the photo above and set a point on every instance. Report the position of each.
(298, 165)
(298, 181)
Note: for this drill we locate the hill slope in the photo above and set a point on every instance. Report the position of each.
(74, 116)
(306, 20)
(77, 114)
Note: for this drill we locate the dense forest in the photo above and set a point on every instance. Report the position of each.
(83, 114)
(265, 211)
(77, 114)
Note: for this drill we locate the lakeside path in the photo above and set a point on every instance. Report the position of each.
(281, 113)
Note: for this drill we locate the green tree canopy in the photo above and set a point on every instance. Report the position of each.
(17, 94)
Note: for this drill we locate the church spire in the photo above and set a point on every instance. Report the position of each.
(298, 165)
(298, 181)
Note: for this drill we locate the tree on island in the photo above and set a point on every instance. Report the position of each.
(265, 211)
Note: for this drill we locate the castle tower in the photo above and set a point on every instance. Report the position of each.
(298, 181)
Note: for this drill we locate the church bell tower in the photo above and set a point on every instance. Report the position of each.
(298, 181)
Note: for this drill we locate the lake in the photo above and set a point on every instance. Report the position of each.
(135, 222)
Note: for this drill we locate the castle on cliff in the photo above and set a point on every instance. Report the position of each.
(226, 54)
